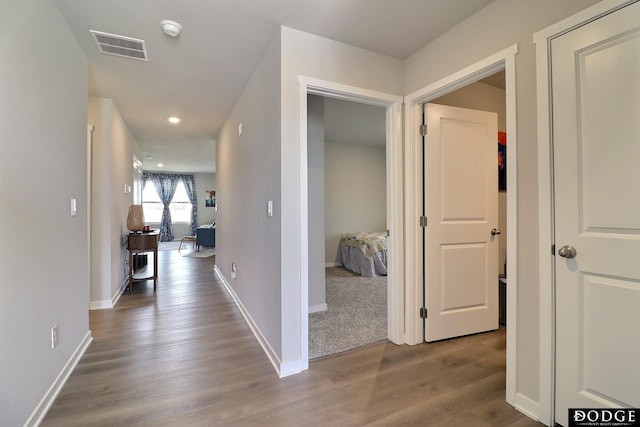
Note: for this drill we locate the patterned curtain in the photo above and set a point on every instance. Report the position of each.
(190, 186)
(166, 187)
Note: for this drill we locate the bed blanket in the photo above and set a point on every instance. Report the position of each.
(368, 243)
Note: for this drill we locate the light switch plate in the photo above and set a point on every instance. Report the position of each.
(74, 207)
(270, 208)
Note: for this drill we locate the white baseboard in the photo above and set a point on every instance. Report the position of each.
(105, 303)
(527, 406)
(116, 297)
(101, 304)
(317, 308)
(332, 264)
(282, 369)
(47, 400)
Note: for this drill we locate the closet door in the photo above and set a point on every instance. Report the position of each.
(596, 140)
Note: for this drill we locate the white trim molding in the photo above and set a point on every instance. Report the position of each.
(502, 60)
(393, 105)
(50, 396)
(542, 40)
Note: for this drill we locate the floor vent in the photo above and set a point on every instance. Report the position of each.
(127, 47)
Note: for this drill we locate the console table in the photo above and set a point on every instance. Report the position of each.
(138, 243)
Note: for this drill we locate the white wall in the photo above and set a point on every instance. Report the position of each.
(481, 96)
(499, 25)
(43, 260)
(247, 176)
(355, 192)
(316, 177)
(113, 149)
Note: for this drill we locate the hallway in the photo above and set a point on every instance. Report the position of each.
(185, 357)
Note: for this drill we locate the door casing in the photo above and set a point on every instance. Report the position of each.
(542, 40)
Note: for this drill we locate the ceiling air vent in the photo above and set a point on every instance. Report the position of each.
(127, 47)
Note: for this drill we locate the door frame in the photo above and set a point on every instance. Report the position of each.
(542, 40)
(394, 202)
(502, 60)
(90, 129)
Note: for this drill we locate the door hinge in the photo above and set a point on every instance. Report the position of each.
(388, 233)
(553, 249)
(423, 313)
(423, 130)
(423, 221)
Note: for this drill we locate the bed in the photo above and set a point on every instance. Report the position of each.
(364, 253)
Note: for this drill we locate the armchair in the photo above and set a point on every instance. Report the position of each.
(206, 235)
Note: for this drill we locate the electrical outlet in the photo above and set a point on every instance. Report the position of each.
(54, 336)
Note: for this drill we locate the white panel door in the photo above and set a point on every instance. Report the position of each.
(461, 203)
(596, 139)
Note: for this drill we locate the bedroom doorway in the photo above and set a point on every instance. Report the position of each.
(346, 148)
(392, 105)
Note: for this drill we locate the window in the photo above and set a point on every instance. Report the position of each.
(180, 206)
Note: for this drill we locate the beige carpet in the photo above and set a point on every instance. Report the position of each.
(356, 315)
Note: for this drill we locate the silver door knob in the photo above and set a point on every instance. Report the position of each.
(495, 231)
(567, 251)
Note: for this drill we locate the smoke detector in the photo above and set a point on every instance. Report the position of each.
(171, 28)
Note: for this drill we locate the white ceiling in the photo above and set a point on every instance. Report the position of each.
(200, 75)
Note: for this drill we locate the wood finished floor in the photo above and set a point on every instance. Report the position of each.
(185, 357)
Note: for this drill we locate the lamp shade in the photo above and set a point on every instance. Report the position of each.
(135, 218)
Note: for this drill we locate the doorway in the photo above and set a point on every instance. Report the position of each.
(347, 225)
(488, 95)
(503, 60)
(394, 200)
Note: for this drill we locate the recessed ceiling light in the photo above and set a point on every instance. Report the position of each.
(160, 165)
(174, 120)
